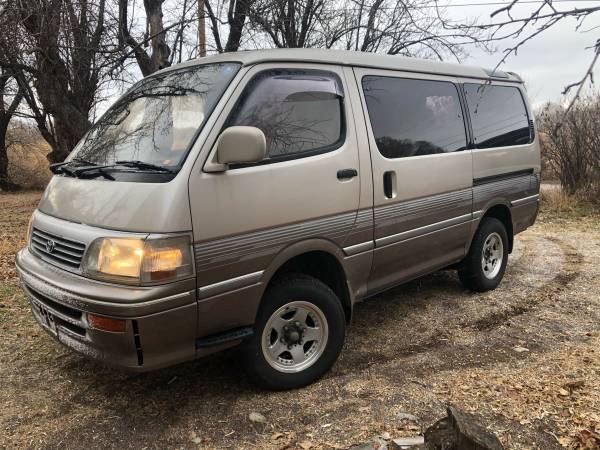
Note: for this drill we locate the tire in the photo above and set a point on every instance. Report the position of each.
(295, 299)
(477, 272)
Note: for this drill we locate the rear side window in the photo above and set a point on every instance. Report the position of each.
(414, 117)
(498, 115)
(300, 111)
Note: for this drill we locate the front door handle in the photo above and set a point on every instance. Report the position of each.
(346, 174)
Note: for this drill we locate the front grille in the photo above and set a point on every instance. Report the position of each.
(57, 249)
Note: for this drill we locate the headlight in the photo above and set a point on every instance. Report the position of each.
(140, 261)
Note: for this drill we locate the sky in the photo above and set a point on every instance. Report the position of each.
(549, 62)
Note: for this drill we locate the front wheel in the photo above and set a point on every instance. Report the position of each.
(483, 268)
(299, 334)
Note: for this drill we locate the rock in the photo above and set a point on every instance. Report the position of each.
(306, 445)
(460, 431)
(385, 436)
(407, 443)
(257, 417)
(440, 435)
(406, 416)
(457, 431)
(520, 349)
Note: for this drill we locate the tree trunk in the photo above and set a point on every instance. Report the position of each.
(67, 135)
(3, 153)
(160, 49)
(236, 25)
(5, 185)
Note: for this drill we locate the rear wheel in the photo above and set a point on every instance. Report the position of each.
(483, 268)
(299, 334)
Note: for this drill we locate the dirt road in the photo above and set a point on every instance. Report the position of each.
(524, 358)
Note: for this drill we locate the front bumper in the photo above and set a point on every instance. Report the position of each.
(161, 321)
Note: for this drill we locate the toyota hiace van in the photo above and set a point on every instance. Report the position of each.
(254, 197)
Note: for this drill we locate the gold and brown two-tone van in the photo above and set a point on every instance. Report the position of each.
(253, 198)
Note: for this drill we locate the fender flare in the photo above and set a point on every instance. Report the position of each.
(302, 247)
(491, 203)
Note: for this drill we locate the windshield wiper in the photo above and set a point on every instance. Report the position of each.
(93, 172)
(61, 167)
(143, 166)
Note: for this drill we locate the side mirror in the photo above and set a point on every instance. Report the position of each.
(238, 145)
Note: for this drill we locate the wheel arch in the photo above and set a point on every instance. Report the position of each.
(319, 258)
(499, 210)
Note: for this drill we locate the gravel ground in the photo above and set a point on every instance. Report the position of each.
(525, 359)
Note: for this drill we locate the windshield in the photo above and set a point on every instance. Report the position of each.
(157, 119)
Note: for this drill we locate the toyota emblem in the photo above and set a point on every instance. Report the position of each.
(50, 244)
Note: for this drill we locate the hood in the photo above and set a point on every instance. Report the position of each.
(115, 205)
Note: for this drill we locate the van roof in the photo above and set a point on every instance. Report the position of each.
(356, 59)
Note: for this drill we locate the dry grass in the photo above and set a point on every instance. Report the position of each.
(16, 209)
(28, 166)
(413, 349)
(559, 206)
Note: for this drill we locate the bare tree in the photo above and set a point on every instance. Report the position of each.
(573, 148)
(404, 27)
(158, 57)
(409, 28)
(169, 35)
(228, 20)
(292, 23)
(10, 99)
(60, 54)
(506, 25)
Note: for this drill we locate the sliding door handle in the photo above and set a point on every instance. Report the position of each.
(389, 184)
(346, 174)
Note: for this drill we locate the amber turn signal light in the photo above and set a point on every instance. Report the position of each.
(106, 323)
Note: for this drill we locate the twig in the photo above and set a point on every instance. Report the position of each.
(589, 73)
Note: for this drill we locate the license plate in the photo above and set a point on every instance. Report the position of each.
(46, 318)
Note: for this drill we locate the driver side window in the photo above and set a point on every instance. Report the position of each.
(299, 111)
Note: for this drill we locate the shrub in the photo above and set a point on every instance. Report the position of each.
(570, 145)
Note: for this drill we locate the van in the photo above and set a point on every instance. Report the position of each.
(255, 197)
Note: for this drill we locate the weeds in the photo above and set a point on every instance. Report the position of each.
(555, 202)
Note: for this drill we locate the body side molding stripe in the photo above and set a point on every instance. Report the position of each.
(394, 238)
(229, 285)
(215, 253)
(525, 200)
(359, 248)
(501, 176)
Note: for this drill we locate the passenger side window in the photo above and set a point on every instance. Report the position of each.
(498, 115)
(414, 117)
(300, 111)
